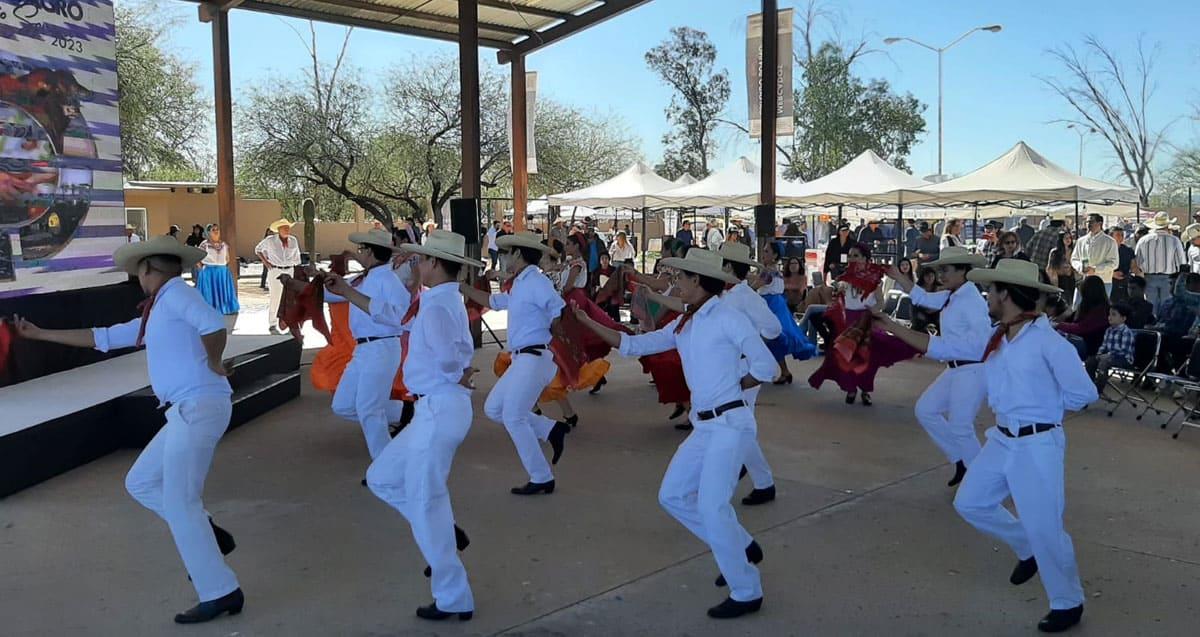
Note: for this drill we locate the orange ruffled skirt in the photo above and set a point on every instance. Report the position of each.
(331, 361)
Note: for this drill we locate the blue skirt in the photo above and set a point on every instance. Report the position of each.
(216, 286)
(792, 340)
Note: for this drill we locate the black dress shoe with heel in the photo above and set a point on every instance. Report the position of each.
(601, 383)
(850, 397)
(572, 421)
(684, 426)
(1024, 570)
(754, 555)
(731, 608)
(557, 439)
(210, 610)
(461, 541)
(960, 470)
(679, 409)
(534, 488)
(1056, 621)
(866, 398)
(433, 613)
(759, 496)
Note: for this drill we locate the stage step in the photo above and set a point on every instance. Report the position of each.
(263, 395)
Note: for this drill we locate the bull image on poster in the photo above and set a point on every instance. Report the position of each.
(61, 199)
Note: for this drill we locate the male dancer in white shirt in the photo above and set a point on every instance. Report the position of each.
(378, 303)
(412, 471)
(1033, 375)
(948, 408)
(533, 305)
(280, 254)
(712, 339)
(184, 339)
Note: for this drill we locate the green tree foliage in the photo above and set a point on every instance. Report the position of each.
(164, 116)
(577, 149)
(685, 62)
(838, 116)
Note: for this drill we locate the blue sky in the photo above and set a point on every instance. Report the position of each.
(993, 96)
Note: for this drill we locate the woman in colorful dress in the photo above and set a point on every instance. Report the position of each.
(859, 349)
(214, 282)
(770, 286)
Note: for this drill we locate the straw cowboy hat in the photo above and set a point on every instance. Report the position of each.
(738, 252)
(276, 225)
(955, 255)
(1160, 221)
(1191, 232)
(1013, 272)
(128, 256)
(524, 239)
(373, 237)
(447, 245)
(702, 262)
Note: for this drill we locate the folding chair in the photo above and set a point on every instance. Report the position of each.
(1146, 344)
(1188, 383)
(892, 301)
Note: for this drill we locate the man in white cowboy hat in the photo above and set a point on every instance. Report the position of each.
(948, 408)
(378, 302)
(1191, 242)
(131, 235)
(533, 306)
(280, 254)
(1032, 376)
(1095, 253)
(712, 339)
(1158, 256)
(184, 339)
(411, 472)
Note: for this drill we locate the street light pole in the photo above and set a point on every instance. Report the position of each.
(1079, 130)
(994, 28)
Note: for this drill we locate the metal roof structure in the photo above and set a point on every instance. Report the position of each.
(511, 26)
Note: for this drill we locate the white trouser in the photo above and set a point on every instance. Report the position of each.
(1031, 470)
(411, 475)
(365, 390)
(948, 408)
(511, 403)
(696, 490)
(168, 478)
(756, 462)
(275, 290)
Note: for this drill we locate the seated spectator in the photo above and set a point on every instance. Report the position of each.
(795, 283)
(1115, 351)
(1141, 310)
(1178, 322)
(922, 317)
(1057, 309)
(1008, 247)
(1091, 319)
(812, 310)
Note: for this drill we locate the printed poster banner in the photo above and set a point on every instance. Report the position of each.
(784, 126)
(531, 80)
(62, 209)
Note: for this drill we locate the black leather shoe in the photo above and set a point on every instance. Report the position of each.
(432, 612)
(557, 439)
(960, 470)
(210, 610)
(865, 397)
(572, 421)
(534, 488)
(850, 396)
(730, 608)
(461, 541)
(1056, 621)
(224, 538)
(754, 555)
(601, 383)
(1024, 570)
(679, 409)
(684, 426)
(759, 496)
(364, 482)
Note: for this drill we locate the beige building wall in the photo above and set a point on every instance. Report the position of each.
(176, 206)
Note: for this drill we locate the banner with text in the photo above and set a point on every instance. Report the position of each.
(784, 126)
(530, 116)
(62, 209)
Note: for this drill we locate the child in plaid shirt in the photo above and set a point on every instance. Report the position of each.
(1116, 350)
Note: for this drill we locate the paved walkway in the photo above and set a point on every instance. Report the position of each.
(862, 540)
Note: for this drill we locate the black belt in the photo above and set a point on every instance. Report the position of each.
(368, 339)
(713, 413)
(957, 364)
(531, 349)
(1028, 430)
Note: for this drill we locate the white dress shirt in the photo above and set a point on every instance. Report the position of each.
(580, 279)
(491, 238)
(711, 346)
(744, 299)
(619, 253)
(175, 356)
(1160, 252)
(532, 306)
(1036, 377)
(713, 239)
(439, 342)
(852, 298)
(773, 286)
(133, 238)
(215, 253)
(389, 303)
(277, 254)
(964, 324)
(950, 241)
(405, 273)
(1193, 254)
(1098, 251)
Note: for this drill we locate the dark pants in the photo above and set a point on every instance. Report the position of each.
(495, 255)
(1120, 291)
(262, 281)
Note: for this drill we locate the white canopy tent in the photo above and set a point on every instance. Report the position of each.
(685, 179)
(734, 186)
(866, 182)
(629, 189)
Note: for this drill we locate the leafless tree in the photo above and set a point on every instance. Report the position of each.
(1114, 100)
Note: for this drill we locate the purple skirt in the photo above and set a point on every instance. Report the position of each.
(886, 350)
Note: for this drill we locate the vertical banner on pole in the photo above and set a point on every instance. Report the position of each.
(530, 115)
(754, 60)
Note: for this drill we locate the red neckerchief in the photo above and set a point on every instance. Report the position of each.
(864, 277)
(1002, 329)
(412, 311)
(687, 316)
(145, 307)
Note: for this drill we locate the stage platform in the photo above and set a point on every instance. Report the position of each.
(55, 423)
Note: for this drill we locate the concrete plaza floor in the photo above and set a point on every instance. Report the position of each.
(862, 540)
